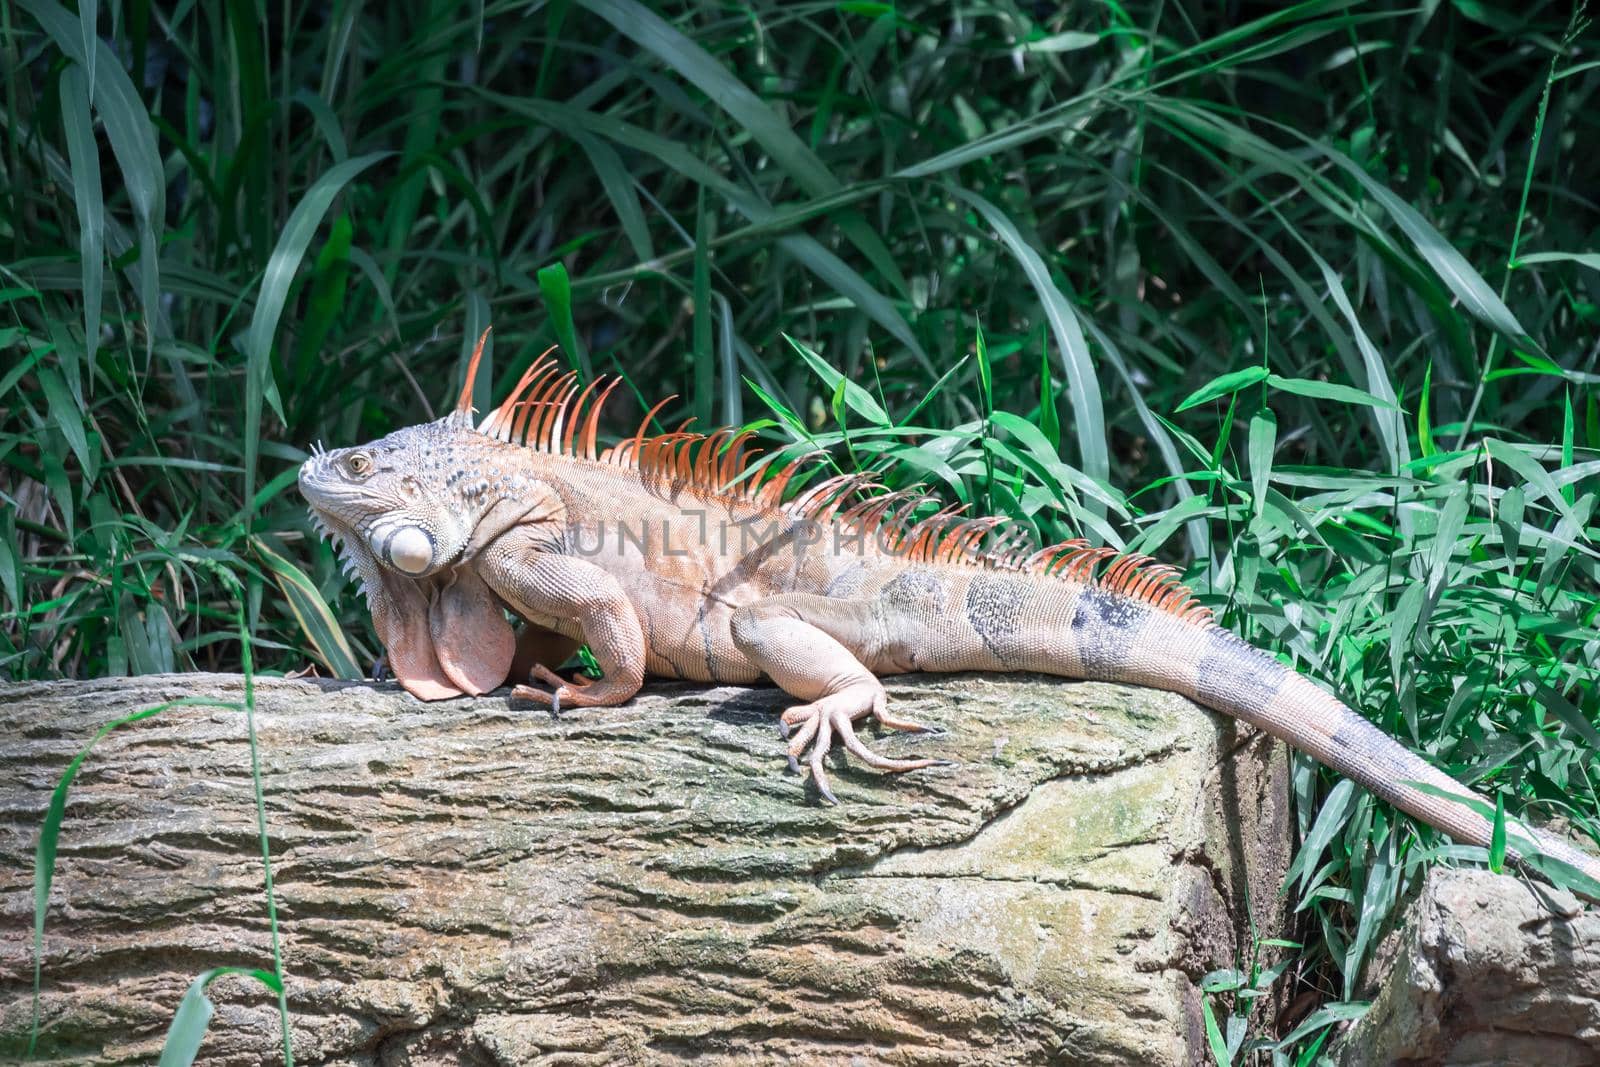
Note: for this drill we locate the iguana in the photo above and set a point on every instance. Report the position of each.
(667, 555)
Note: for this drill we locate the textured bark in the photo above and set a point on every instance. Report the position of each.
(1488, 971)
(470, 882)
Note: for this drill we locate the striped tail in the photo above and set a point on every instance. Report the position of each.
(1220, 671)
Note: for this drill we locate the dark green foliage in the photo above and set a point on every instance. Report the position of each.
(1304, 297)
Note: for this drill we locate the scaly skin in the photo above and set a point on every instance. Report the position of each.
(659, 558)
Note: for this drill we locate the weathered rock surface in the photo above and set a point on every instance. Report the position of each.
(1489, 971)
(470, 882)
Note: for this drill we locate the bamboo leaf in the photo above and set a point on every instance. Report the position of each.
(1223, 385)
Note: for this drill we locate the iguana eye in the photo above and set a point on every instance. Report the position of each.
(359, 464)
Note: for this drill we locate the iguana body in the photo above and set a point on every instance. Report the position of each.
(664, 561)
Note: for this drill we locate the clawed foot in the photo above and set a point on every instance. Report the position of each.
(818, 723)
(574, 693)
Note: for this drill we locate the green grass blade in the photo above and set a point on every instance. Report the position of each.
(281, 268)
(478, 320)
(133, 142)
(1263, 439)
(1083, 385)
(1344, 394)
(859, 400)
(78, 125)
(1497, 835)
(705, 370)
(1452, 267)
(189, 1023)
(1588, 259)
(619, 189)
(1214, 1041)
(556, 288)
(657, 36)
(44, 855)
(65, 412)
(839, 275)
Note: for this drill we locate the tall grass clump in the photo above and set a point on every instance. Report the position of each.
(1303, 297)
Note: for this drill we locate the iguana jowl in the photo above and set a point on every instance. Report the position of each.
(658, 556)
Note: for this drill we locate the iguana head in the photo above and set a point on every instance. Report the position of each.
(408, 513)
(401, 501)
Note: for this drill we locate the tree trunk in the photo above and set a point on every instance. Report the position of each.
(471, 882)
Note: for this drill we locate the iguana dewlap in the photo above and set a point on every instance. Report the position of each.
(664, 561)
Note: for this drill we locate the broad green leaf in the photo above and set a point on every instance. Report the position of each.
(1263, 439)
(557, 290)
(1325, 1016)
(1223, 385)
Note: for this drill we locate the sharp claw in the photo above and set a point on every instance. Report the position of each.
(818, 725)
(910, 726)
(819, 749)
(827, 794)
(537, 696)
(380, 668)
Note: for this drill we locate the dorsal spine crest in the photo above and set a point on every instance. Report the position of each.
(549, 412)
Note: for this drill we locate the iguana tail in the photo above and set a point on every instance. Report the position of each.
(1217, 669)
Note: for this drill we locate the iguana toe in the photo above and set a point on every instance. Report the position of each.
(815, 727)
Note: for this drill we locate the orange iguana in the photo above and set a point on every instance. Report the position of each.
(664, 561)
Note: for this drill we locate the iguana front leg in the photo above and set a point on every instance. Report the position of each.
(548, 590)
(799, 640)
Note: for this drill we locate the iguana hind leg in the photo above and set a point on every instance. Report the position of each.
(799, 641)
